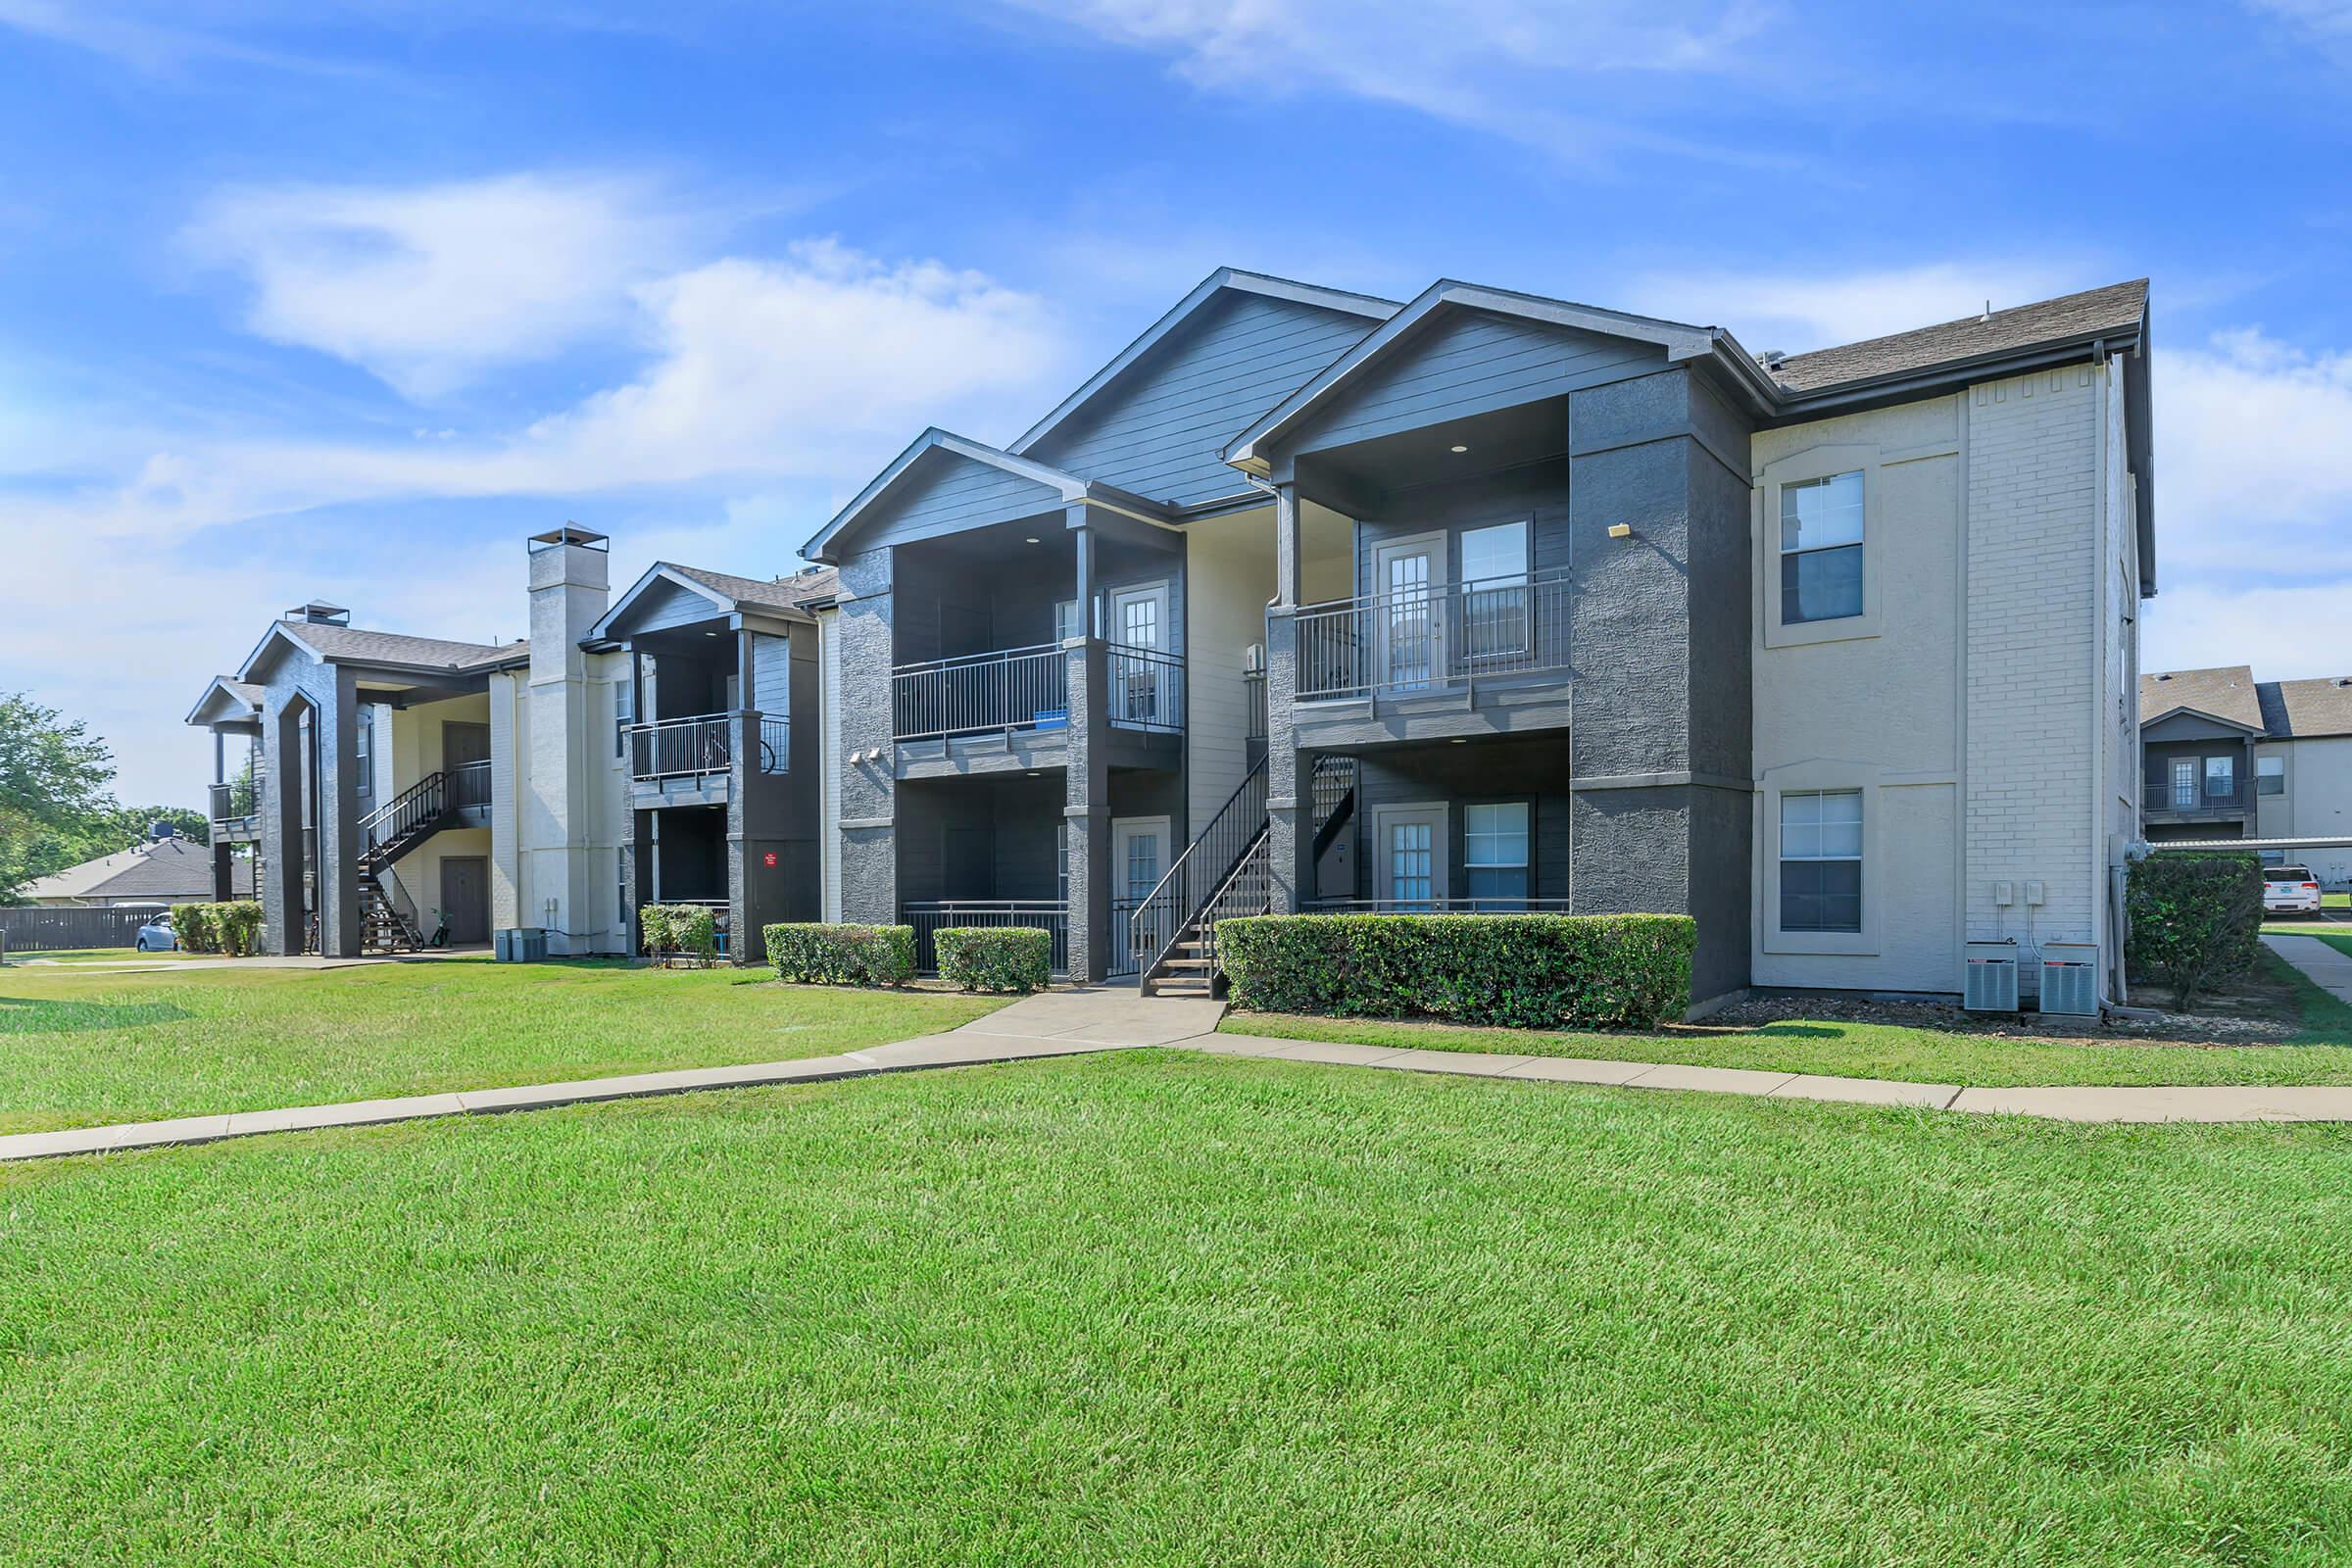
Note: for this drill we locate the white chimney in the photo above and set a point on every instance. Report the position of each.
(570, 588)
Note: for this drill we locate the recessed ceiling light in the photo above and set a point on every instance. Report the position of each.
(1033, 539)
(1461, 449)
(710, 634)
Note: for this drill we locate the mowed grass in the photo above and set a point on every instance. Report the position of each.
(1166, 1307)
(78, 1049)
(2320, 1052)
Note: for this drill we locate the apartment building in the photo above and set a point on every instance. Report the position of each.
(2228, 757)
(1316, 602)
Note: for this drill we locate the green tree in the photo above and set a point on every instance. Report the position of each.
(53, 779)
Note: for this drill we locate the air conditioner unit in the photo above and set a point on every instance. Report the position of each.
(2070, 977)
(1991, 980)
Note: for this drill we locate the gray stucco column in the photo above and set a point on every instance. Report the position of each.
(869, 760)
(283, 849)
(1087, 809)
(1290, 834)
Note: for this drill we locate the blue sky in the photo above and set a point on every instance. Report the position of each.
(346, 299)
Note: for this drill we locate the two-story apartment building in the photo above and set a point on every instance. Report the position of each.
(2226, 756)
(1557, 607)
(1318, 602)
(625, 753)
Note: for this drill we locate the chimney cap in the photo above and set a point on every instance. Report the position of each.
(572, 534)
(319, 612)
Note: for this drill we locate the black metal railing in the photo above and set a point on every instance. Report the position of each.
(235, 801)
(1160, 916)
(930, 916)
(1254, 704)
(1437, 906)
(419, 805)
(775, 746)
(469, 787)
(979, 694)
(2168, 798)
(1425, 639)
(1147, 690)
(682, 747)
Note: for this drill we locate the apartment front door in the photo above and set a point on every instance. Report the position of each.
(1139, 857)
(465, 899)
(1409, 855)
(1409, 628)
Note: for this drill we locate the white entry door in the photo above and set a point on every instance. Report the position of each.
(1139, 858)
(1409, 855)
(1411, 625)
(1139, 619)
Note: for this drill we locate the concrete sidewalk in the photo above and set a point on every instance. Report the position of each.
(1086, 1019)
(2322, 965)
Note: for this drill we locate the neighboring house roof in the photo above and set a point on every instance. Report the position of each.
(2225, 693)
(2116, 312)
(1071, 487)
(2303, 710)
(166, 870)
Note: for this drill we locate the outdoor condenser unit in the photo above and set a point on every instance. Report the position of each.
(2070, 977)
(1992, 976)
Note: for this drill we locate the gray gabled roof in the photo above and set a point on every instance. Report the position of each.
(226, 700)
(353, 645)
(1679, 339)
(167, 870)
(726, 592)
(2225, 693)
(1223, 281)
(1070, 486)
(2305, 709)
(2115, 313)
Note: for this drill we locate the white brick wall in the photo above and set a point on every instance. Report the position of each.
(2034, 637)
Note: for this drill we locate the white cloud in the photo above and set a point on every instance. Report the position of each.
(1801, 311)
(1476, 63)
(2196, 624)
(2253, 458)
(426, 287)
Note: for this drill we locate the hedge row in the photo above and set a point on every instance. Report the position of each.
(690, 929)
(832, 954)
(995, 957)
(2194, 920)
(234, 929)
(1521, 971)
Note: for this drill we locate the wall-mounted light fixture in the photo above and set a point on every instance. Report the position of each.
(1621, 530)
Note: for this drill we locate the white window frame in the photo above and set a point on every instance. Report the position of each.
(2279, 759)
(1526, 865)
(1799, 468)
(1808, 778)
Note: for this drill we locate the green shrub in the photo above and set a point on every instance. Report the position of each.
(2194, 920)
(1521, 971)
(679, 930)
(833, 954)
(236, 927)
(995, 957)
(192, 927)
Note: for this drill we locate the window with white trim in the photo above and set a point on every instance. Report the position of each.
(1820, 860)
(2221, 778)
(1494, 850)
(1495, 590)
(624, 714)
(2270, 775)
(1821, 549)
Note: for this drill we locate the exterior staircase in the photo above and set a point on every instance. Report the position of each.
(416, 813)
(1222, 873)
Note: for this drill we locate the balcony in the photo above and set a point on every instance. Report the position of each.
(1006, 710)
(235, 812)
(691, 761)
(2167, 802)
(1450, 646)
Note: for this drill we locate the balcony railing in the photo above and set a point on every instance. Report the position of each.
(234, 802)
(2165, 799)
(1254, 699)
(930, 917)
(981, 694)
(704, 743)
(1428, 639)
(469, 787)
(1447, 905)
(1026, 689)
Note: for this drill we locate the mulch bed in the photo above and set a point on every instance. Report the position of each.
(2258, 1010)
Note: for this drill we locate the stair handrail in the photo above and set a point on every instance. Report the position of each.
(1217, 908)
(421, 802)
(1222, 844)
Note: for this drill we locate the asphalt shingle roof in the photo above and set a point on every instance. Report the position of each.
(395, 648)
(166, 871)
(789, 593)
(2227, 692)
(2301, 708)
(2116, 308)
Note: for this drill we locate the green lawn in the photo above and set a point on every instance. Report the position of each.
(84, 1048)
(19, 956)
(2320, 1053)
(1164, 1307)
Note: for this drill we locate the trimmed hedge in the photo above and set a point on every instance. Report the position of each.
(835, 953)
(234, 928)
(995, 957)
(1520, 971)
(2194, 920)
(687, 929)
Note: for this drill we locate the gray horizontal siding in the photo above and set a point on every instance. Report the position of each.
(665, 605)
(1470, 363)
(1158, 430)
(946, 493)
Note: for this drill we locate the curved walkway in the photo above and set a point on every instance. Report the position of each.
(1071, 1022)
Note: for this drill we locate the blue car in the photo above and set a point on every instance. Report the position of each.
(156, 935)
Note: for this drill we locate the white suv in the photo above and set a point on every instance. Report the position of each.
(2290, 890)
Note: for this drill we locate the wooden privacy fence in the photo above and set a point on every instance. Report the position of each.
(43, 930)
